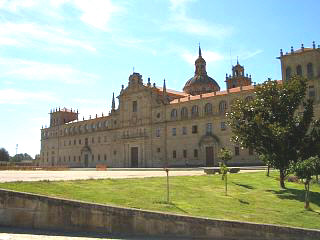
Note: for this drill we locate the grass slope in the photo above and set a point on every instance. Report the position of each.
(252, 197)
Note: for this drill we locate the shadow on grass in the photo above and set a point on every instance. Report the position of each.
(243, 202)
(296, 194)
(171, 204)
(244, 185)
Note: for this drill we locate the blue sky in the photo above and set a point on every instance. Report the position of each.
(75, 53)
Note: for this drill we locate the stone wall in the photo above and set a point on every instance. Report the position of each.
(40, 212)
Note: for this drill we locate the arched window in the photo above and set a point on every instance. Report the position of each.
(184, 112)
(222, 107)
(288, 73)
(194, 111)
(310, 70)
(299, 70)
(174, 113)
(208, 108)
(249, 99)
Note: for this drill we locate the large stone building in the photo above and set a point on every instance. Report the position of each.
(157, 127)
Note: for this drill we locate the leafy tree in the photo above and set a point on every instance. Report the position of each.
(4, 155)
(304, 170)
(225, 155)
(21, 157)
(273, 125)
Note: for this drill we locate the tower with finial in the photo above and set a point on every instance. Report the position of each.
(238, 77)
(200, 83)
(113, 105)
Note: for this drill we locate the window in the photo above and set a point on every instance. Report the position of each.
(299, 70)
(184, 131)
(69, 142)
(86, 141)
(74, 158)
(194, 129)
(174, 114)
(79, 141)
(79, 158)
(134, 106)
(312, 92)
(105, 138)
(158, 132)
(174, 154)
(288, 73)
(69, 158)
(92, 158)
(194, 111)
(208, 108)
(195, 153)
(310, 70)
(249, 99)
(250, 151)
(98, 157)
(174, 131)
(74, 142)
(223, 126)
(222, 107)
(158, 150)
(184, 112)
(92, 140)
(209, 128)
(185, 153)
(99, 139)
(105, 157)
(236, 151)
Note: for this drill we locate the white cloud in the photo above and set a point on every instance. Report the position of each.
(32, 34)
(14, 96)
(209, 56)
(180, 21)
(97, 13)
(38, 71)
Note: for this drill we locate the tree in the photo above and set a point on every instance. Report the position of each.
(21, 157)
(272, 125)
(304, 170)
(225, 155)
(4, 155)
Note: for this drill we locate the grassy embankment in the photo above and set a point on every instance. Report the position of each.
(251, 197)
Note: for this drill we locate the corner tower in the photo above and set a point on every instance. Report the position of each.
(238, 78)
(200, 83)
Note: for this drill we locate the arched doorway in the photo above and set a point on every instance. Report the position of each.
(209, 144)
(85, 155)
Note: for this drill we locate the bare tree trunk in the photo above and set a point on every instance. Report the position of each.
(268, 172)
(307, 187)
(317, 178)
(282, 176)
(226, 184)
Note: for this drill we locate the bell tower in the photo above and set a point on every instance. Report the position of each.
(238, 78)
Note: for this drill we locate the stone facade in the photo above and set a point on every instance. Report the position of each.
(158, 127)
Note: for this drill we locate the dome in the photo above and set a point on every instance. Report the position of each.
(200, 83)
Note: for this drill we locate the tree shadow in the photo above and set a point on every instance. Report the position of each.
(243, 202)
(296, 194)
(244, 185)
(171, 204)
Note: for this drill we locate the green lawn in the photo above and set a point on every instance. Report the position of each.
(251, 197)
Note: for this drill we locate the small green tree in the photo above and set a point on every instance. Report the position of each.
(4, 155)
(225, 155)
(266, 159)
(304, 170)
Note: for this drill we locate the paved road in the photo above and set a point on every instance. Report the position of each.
(29, 234)
(12, 175)
(38, 175)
